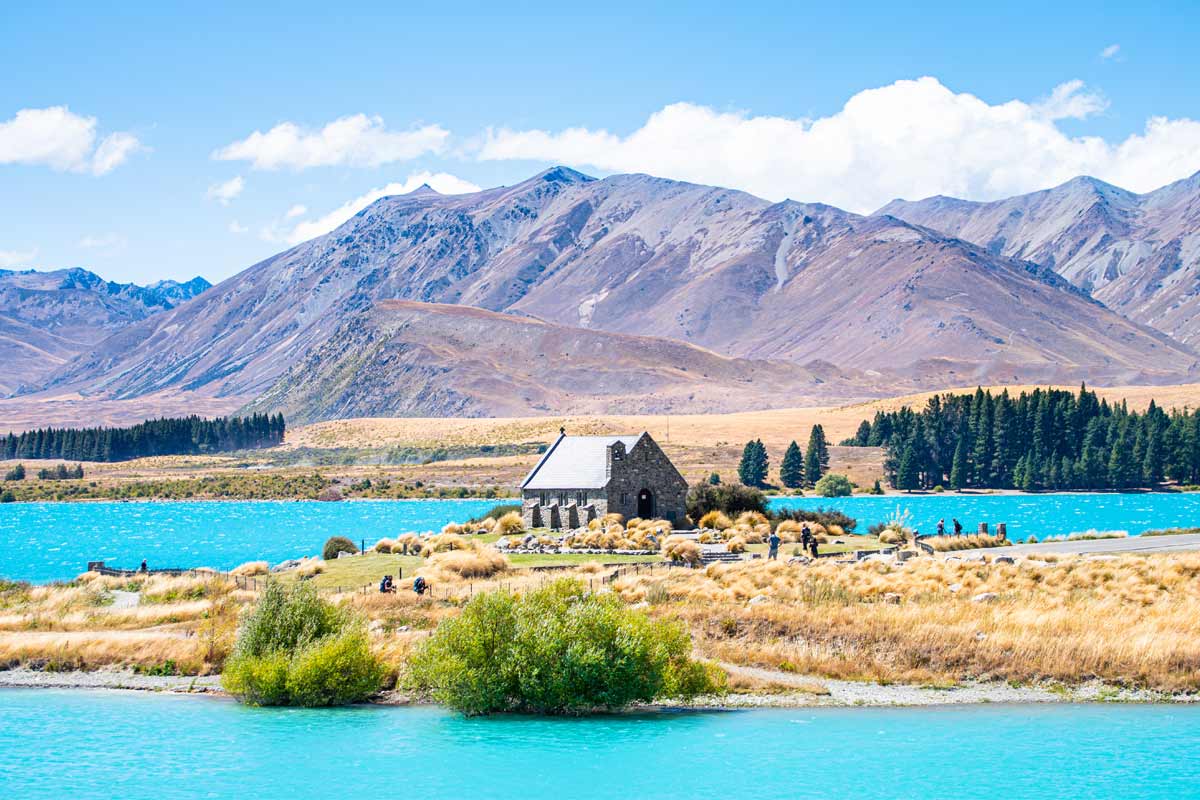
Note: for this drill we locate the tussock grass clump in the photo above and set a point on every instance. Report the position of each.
(408, 543)
(509, 524)
(736, 545)
(252, 568)
(715, 520)
(676, 548)
(310, 567)
(477, 561)
(385, 546)
(442, 543)
(974, 541)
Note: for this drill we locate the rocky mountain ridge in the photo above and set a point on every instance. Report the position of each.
(1139, 254)
(634, 254)
(49, 317)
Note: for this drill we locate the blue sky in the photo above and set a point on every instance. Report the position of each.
(152, 170)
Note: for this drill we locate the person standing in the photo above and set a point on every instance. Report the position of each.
(773, 546)
(941, 527)
(957, 527)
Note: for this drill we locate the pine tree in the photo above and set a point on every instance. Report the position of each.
(958, 471)
(816, 457)
(908, 473)
(791, 469)
(752, 471)
(863, 435)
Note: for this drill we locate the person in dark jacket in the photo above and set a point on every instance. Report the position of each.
(420, 585)
(941, 527)
(957, 527)
(773, 545)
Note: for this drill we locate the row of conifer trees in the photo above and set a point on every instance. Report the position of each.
(156, 437)
(1044, 439)
(798, 468)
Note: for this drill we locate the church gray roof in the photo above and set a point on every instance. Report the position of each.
(576, 462)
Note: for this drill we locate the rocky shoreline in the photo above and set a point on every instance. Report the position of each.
(806, 692)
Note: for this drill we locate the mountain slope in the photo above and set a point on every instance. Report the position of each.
(1138, 254)
(402, 358)
(641, 255)
(48, 318)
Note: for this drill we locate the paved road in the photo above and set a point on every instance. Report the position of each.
(1132, 544)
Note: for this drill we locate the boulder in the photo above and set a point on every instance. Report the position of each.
(1004, 560)
(954, 587)
(893, 598)
(985, 597)
(762, 598)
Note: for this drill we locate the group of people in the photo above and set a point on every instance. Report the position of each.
(941, 527)
(387, 585)
(808, 542)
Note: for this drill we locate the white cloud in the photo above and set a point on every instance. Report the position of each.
(1110, 51)
(1070, 101)
(62, 140)
(16, 258)
(439, 182)
(356, 141)
(237, 227)
(913, 139)
(224, 192)
(296, 211)
(104, 241)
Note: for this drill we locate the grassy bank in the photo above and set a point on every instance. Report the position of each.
(1131, 621)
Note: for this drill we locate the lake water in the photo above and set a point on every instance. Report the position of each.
(53, 541)
(1040, 515)
(59, 744)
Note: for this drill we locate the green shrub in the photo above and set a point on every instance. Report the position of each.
(258, 680)
(335, 545)
(834, 485)
(556, 650)
(294, 648)
(731, 498)
(17, 473)
(335, 671)
(7, 496)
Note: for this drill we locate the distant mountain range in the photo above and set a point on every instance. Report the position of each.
(636, 293)
(48, 318)
(1139, 254)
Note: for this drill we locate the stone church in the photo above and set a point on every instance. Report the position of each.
(581, 478)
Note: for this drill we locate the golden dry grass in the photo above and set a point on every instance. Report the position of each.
(186, 620)
(776, 427)
(1135, 620)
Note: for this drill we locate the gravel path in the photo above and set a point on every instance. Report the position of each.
(107, 679)
(1132, 544)
(815, 691)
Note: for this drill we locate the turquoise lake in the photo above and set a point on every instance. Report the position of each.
(75, 744)
(54, 541)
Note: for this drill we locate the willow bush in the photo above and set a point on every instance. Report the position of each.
(557, 650)
(293, 648)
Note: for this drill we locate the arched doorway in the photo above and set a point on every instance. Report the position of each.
(645, 504)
